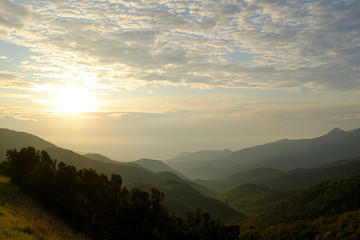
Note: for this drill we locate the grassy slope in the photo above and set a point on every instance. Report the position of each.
(22, 219)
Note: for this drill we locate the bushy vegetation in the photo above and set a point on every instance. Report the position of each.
(325, 199)
(329, 210)
(100, 206)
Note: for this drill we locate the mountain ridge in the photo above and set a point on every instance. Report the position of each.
(288, 154)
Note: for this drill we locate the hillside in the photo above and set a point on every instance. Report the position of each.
(324, 199)
(23, 219)
(304, 178)
(252, 199)
(12, 139)
(128, 172)
(329, 210)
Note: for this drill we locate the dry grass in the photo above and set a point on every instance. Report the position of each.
(23, 219)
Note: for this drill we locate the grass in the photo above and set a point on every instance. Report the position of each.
(23, 219)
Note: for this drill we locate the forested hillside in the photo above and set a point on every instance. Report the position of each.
(329, 210)
(252, 199)
(100, 206)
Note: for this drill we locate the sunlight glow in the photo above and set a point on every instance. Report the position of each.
(74, 99)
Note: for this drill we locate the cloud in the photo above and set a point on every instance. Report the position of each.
(120, 44)
(19, 113)
(12, 80)
(12, 15)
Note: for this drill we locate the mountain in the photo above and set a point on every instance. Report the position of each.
(97, 156)
(10, 139)
(200, 156)
(290, 154)
(128, 172)
(303, 178)
(295, 179)
(157, 166)
(187, 162)
(256, 176)
(286, 154)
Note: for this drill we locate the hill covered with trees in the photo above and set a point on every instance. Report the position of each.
(100, 206)
(329, 210)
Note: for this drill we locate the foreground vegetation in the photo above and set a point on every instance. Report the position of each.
(101, 207)
(23, 219)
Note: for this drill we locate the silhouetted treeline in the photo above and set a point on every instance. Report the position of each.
(100, 206)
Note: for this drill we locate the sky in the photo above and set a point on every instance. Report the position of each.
(132, 79)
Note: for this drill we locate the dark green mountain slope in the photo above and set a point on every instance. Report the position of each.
(329, 210)
(303, 178)
(251, 198)
(10, 139)
(181, 198)
(327, 198)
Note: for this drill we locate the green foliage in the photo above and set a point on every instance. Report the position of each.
(252, 199)
(99, 206)
(329, 210)
(338, 227)
(325, 199)
(201, 226)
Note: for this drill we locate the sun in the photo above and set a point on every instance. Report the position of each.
(73, 99)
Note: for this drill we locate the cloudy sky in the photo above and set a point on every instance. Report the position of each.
(150, 78)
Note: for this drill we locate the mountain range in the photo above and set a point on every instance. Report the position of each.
(131, 172)
(281, 155)
(285, 165)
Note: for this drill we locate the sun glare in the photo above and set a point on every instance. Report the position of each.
(74, 100)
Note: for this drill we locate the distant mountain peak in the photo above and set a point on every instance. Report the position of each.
(337, 130)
